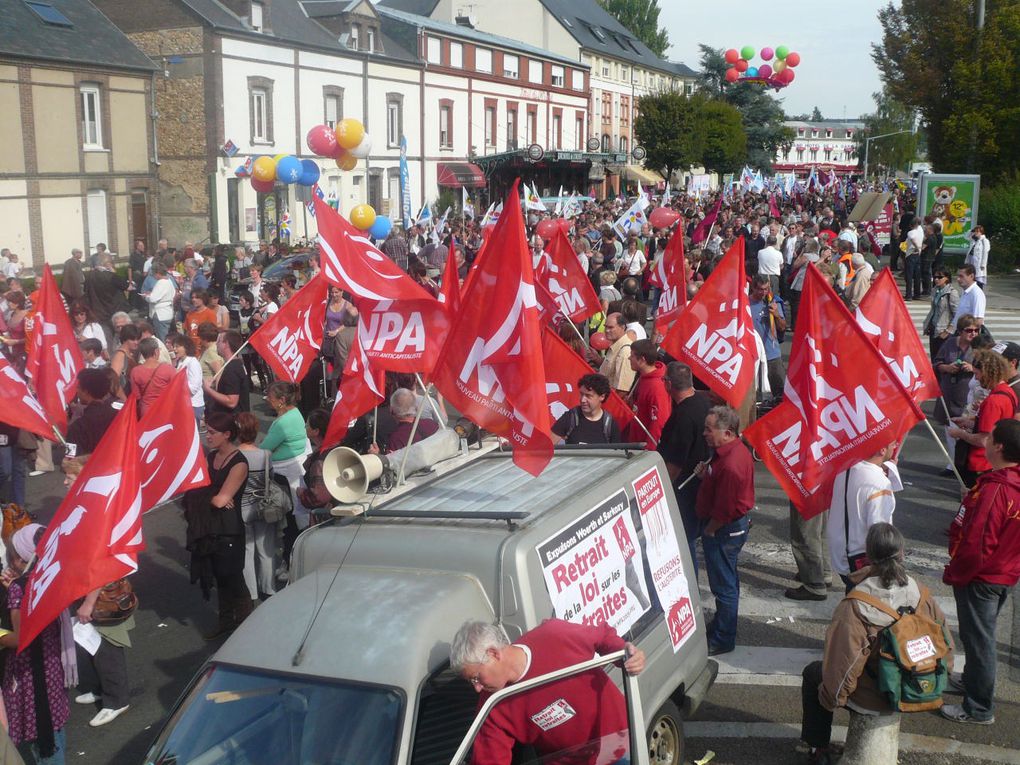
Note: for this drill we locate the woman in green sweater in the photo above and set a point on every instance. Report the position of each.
(287, 442)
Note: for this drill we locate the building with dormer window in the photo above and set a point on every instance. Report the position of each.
(829, 145)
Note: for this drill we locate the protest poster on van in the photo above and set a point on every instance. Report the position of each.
(594, 568)
(664, 559)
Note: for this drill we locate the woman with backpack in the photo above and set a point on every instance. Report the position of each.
(849, 675)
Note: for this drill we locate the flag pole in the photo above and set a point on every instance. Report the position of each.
(60, 438)
(942, 446)
(410, 440)
(435, 409)
(237, 354)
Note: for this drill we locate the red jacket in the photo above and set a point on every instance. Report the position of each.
(984, 538)
(652, 405)
(564, 714)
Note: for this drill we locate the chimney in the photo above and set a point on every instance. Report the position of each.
(466, 21)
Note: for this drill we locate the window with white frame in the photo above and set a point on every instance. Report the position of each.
(483, 60)
(457, 55)
(333, 108)
(511, 129)
(605, 69)
(596, 103)
(91, 117)
(532, 127)
(490, 126)
(511, 66)
(534, 71)
(259, 114)
(577, 79)
(256, 16)
(371, 40)
(445, 120)
(579, 132)
(690, 88)
(355, 43)
(433, 50)
(557, 76)
(625, 73)
(557, 131)
(394, 119)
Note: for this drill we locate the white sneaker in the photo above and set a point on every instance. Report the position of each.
(107, 715)
(86, 698)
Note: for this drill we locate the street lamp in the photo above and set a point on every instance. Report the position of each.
(867, 144)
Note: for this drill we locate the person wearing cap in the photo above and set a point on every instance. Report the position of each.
(1011, 352)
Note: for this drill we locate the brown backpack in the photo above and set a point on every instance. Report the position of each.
(116, 602)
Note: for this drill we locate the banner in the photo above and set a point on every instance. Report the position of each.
(665, 562)
(954, 200)
(562, 275)
(593, 568)
(405, 185)
(291, 338)
(361, 388)
(698, 185)
(633, 219)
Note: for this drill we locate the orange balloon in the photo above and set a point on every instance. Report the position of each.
(363, 216)
(349, 133)
(264, 169)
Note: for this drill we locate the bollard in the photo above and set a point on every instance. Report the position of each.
(872, 739)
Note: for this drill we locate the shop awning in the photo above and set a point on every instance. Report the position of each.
(458, 174)
(641, 175)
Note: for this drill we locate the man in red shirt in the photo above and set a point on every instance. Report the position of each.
(558, 716)
(652, 404)
(725, 497)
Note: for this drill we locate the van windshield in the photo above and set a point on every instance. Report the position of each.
(244, 717)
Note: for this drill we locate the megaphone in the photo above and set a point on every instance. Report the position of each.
(347, 474)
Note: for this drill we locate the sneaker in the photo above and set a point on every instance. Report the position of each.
(954, 683)
(957, 713)
(803, 593)
(86, 698)
(107, 715)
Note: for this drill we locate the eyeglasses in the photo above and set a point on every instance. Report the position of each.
(971, 331)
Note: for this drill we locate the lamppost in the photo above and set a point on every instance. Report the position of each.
(867, 145)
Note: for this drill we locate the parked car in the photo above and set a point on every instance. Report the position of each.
(296, 263)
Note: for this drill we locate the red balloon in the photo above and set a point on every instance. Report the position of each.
(741, 65)
(547, 228)
(732, 55)
(792, 59)
(600, 342)
(787, 75)
(321, 140)
(663, 217)
(565, 224)
(264, 186)
(732, 75)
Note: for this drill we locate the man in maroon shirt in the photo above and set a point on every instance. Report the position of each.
(725, 497)
(559, 716)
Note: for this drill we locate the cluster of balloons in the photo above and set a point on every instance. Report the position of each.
(346, 143)
(776, 71)
(548, 227)
(265, 171)
(363, 217)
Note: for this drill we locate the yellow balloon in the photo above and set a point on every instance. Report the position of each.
(363, 216)
(264, 169)
(346, 161)
(779, 66)
(349, 133)
(278, 157)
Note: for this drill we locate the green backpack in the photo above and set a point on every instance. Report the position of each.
(912, 669)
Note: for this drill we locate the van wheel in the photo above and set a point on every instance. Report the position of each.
(666, 736)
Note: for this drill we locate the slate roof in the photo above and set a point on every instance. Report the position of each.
(91, 39)
(417, 7)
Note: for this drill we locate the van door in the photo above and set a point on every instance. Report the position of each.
(625, 747)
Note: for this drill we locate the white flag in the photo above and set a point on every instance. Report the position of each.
(633, 219)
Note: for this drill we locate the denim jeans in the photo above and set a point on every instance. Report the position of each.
(161, 327)
(977, 606)
(912, 276)
(14, 469)
(721, 551)
(30, 751)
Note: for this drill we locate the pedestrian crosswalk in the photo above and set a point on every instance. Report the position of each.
(1003, 323)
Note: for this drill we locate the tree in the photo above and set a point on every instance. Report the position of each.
(670, 127)
(641, 17)
(762, 115)
(816, 115)
(725, 138)
(896, 152)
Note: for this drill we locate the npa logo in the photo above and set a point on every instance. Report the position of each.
(904, 368)
(721, 351)
(392, 332)
(680, 621)
(842, 420)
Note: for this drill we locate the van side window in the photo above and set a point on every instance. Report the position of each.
(447, 707)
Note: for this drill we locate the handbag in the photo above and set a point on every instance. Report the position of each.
(272, 501)
(116, 602)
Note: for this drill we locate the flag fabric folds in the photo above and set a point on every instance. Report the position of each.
(361, 388)
(701, 231)
(22, 410)
(564, 278)
(291, 338)
(670, 276)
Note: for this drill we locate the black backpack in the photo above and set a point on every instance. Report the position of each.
(575, 421)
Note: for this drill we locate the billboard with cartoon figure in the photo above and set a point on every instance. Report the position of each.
(953, 199)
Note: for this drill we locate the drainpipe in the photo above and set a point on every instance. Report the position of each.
(154, 118)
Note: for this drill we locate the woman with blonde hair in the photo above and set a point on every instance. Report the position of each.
(972, 434)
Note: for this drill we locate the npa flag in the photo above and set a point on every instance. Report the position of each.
(96, 533)
(361, 389)
(449, 290)
(172, 458)
(773, 207)
(54, 358)
(22, 409)
(563, 368)
(491, 366)
(670, 275)
(561, 274)
(290, 339)
(883, 316)
(700, 233)
(842, 402)
(714, 335)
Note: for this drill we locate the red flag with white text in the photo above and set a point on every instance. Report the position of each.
(290, 339)
(449, 290)
(54, 358)
(714, 335)
(491, 367)
(96, 533)
(672, 270)
(361, 388)
(22, 410)
(885, 319)
(561, 274)
(172, 458)
(842, 403)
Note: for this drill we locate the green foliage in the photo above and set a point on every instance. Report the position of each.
(896, 152)
(762, 115)
(1000, 215)
(725, 138)
(641, 17)
(669, 126)
(816, 115)
(447, 198)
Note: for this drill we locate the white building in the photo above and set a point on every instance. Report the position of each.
(829, 145)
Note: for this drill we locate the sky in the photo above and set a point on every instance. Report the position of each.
(836, 72)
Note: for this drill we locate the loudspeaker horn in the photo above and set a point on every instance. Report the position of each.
(347, 474)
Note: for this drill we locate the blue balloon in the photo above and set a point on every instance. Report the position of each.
(381, 228)
(309, 173)
(752, 71)
(289, 169)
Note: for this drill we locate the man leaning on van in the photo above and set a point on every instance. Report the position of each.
(559, 717)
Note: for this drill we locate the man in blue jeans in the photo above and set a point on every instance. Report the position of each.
(725, 497)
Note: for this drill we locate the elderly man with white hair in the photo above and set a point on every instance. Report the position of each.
(859, 285)
(404, 407)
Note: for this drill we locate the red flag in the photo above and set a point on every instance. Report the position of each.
(290, 339)
(700, 233)
(673, 269)
(361, 389)
(449, 290)
(491, 366)
(843, 402)
(714, 335)
(561, 274)
(563, 368)
(95, 534)
(172, 458)
(54, 358)
(773, 207)
(22, 409)
(884, 317)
